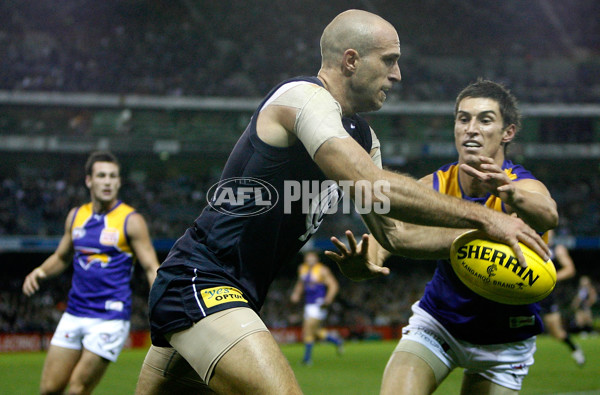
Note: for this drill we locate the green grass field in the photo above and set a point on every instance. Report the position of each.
(357, 372)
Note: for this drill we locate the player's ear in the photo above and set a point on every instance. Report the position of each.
(509, 133)
(88, 181)
(350, 61)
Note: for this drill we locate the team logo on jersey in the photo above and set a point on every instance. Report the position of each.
(219, 295)
(321, 205)
(242, 196)
(89, 256)
(109, 236)
(78, 233)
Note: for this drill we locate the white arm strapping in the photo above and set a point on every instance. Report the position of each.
(319, 116)
(376, 145)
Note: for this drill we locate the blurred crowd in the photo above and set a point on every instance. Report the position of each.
(546, 53)
(35, 202)
(358, 306)
(37, 205)
(42, 311)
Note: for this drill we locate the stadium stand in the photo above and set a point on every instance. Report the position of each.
(177, 50)
(182, 49)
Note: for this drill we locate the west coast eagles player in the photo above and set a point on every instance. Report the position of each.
(102, 240)
(452, 326)
(319, 287)
(206, 333)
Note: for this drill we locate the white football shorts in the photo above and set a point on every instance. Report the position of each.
(314, 310)
(105, 338)
(504, 364)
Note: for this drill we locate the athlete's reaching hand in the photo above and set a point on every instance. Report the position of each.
(357, 262)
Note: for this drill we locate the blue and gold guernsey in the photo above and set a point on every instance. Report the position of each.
(102, 262)
(466, 315)
(313, 279)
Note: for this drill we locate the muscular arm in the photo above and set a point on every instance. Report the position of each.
(318, 125)
(528, 198)
(415, 241)
(141, 244)
(344, 159)
(531, 201)
(409, 240)
(55, 264)
(567, 267)
(332, 286)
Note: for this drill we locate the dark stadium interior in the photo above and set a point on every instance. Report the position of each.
(208, 49)
(195, 48)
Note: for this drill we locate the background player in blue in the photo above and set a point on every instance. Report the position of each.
(550, 309)
(452, 326)
(102, 240)
(319, 287)
(203, 305)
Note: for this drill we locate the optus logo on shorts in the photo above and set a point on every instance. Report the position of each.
(242, 196)
(218, 295)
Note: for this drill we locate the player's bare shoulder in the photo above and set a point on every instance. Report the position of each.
(136, 224)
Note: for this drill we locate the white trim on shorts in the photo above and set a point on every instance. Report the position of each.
(504, 364)
(105, 338)
(314, 310)
(196, 292)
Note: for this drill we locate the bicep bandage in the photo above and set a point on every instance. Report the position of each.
(376, 146)
(319, 116)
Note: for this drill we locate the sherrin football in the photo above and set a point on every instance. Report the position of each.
(491, 270)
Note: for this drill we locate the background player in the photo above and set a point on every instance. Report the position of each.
(218, 273)
(585, 298)
(102, 240)
(320, 287)
(452, 326)
(550, 309)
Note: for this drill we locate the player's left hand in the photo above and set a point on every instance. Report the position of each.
(492, 178)
(354, 263)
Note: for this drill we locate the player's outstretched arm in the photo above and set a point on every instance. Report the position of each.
(410, 240)
(528, 198)
(139, 237)
(55, 263)
(344, 159)
(316, 122)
